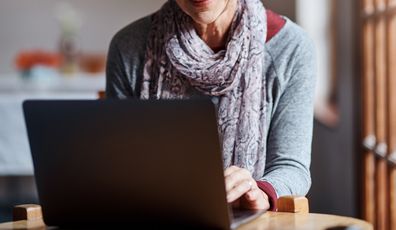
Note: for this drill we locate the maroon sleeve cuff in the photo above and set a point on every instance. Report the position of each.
(270, 191)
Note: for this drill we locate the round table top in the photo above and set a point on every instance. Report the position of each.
(305, 221)
(268, 221)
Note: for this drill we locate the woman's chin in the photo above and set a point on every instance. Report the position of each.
(204, 17)
(203, 11)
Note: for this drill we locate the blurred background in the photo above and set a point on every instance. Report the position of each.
(57, 49)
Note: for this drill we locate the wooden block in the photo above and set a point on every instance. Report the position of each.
(294, 204)
(27, 212)
(101, 94)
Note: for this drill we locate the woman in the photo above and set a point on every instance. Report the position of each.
(257, 66)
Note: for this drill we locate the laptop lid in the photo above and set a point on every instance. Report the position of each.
(117, 161)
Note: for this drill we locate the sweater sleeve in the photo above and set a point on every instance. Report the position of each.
(290, 132)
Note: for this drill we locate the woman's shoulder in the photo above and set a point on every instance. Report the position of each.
(125, 56)
(291, 55)
(291, 41)
(132, 38)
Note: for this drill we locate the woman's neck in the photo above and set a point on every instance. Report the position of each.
(215, 34)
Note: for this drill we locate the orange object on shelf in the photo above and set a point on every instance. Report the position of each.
(25, 60)
(92, 62)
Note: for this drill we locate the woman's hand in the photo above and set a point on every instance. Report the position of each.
(242, 190)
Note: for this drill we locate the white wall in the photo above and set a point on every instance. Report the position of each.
(31, 24)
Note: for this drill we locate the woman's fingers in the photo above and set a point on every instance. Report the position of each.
(235, 176)
(254, 199)
(252, 195)
(240, 189)
(231, 170)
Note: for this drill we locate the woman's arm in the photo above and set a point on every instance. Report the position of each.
(289, 136)
(290, 132)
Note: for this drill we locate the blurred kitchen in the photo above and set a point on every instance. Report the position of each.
(57, 49)
(50, 49)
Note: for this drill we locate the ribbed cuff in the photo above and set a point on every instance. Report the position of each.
(270, 191)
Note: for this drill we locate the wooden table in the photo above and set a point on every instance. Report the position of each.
(268, 221)
(293, 214)
(303, 221)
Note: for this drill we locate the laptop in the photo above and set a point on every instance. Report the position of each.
(135, 162)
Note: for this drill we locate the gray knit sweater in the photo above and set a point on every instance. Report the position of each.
(290, 76)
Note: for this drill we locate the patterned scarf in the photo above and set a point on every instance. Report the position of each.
(179, 62)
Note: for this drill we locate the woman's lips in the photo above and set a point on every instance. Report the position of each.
(201, 3)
